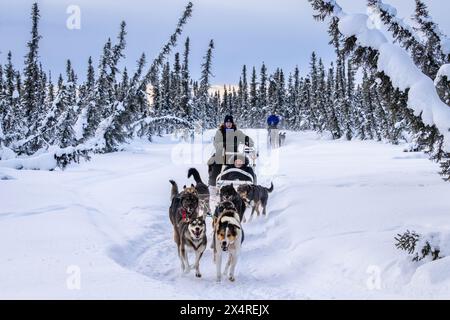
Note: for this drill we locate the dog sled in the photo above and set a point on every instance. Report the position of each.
(275, 138)
(241, 176)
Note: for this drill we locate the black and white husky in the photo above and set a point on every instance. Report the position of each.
(228, 237)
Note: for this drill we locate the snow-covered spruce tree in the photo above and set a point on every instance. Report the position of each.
(333, 122)
(89, 116)
(393, 101)
(148, 124)
(175, 87)
(288, 111)
(166, 99)
(308, 115)
(253, 100)
(205, 113)
(50, 92)
(319, 94)
(425, 42)
(31, 96)
(232, 101)
(42, 93)
(224, 102)
(186, 93)
(263, 103)
(294, 113)
(341, 101)
(368, 95)
(13, 118)
(382, 49)
(281, 91)
(402, 33)
(244, 99)
(359, 121)
(437, 49)
(434, 55)
(215, 106)
(67, 106)
(138, 102)
(272, 95)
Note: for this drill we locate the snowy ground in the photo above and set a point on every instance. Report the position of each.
(333, 216)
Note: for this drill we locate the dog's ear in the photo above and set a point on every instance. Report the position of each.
(184, 187)
(192, 185)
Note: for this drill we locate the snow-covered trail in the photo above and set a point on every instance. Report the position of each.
(335, 210)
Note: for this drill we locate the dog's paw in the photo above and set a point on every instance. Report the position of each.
(231, 278)
(198, 274)
(218, 279)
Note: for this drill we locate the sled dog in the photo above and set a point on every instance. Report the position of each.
(228, 193)
(202, 190)
(256, 197)
(228, 237)
(192, 235)
(184, 206)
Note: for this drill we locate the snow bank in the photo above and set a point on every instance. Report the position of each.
(398, 65)
(6, 153)
(41, 160)
(45, 161)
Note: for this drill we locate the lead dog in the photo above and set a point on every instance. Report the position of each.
(193, 235)
(256, 196)
(228, 237)
(183, 212)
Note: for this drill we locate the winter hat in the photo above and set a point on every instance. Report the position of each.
(228, 118)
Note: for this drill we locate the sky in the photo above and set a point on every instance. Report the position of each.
(280, 33)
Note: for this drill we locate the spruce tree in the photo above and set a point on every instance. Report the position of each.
(185, 101)
(203, 94)
(30, 98)
(253, 100)
(263, 102)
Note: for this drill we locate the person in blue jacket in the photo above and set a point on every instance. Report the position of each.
(273, 121)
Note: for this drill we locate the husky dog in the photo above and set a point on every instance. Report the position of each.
(184, 206)
(228, 193)
(282, 138)
(202, 190)
(228, 237)
(193, 235)
(223, 206)
(220, 208)
(256, 196)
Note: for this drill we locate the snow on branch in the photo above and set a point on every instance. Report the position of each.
(388, 14)
(155, 120)
(151, 75)
(444, 71)
(397, 65)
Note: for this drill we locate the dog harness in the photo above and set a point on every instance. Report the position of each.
(183, 214)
